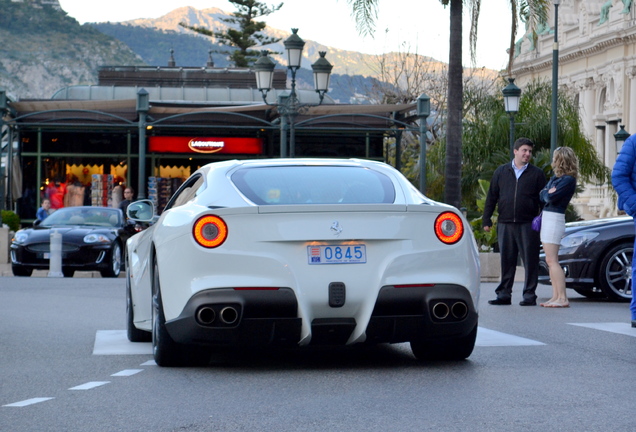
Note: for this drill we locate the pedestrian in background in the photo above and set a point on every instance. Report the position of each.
(514, 189)
(43, 211)
(556, 196)
(624, 181)
(128, 197)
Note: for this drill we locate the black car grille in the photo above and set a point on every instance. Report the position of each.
(46, 247)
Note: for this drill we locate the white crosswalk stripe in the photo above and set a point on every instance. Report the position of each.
(493, 338)
(612, 327)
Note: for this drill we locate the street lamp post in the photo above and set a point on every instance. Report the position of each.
(423, 111)
(143, 105)
(290, 106)
(512, 95)
(555, 80)
(3, 108)
(620, 138)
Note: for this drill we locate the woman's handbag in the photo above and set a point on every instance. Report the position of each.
(536, 222)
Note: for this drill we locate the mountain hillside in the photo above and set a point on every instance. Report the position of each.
(344, 62)
(42, 49)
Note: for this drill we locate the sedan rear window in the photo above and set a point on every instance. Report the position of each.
(314, 185)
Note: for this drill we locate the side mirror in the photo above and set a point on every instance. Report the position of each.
(37, 222)
(141, 211)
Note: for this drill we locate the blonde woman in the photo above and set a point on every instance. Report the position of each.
(556, 196)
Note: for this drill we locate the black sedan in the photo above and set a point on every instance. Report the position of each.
(93, 238)
(596, 256)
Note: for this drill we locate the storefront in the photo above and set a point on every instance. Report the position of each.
(76, 151)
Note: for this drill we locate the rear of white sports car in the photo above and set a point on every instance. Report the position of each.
(309, 264)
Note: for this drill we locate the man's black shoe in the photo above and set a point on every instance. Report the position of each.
(634, 323)
(527, 303)
(499, 302)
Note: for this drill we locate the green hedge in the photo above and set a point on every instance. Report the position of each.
(11, 219)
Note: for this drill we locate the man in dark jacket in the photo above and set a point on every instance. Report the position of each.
(514, 189)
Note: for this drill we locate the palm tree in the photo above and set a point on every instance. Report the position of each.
(531, 11)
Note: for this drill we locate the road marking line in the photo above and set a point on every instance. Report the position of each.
(493, 338)
(127, 372)
(90, 385)
(28, 402)
(623, 328)
(149, 363)
(115, 342)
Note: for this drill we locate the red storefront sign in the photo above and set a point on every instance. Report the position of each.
(225, 145)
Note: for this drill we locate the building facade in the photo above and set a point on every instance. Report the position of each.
(597, 63)
(93, 140)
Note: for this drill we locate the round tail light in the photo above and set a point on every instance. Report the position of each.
(209, 231)
(449, 228)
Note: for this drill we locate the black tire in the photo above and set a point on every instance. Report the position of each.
(451, 349)
(115, 262)
(133, 333)
(21, 271)
(67, 272)
(165, 350)
(615, 272)
(591, 294)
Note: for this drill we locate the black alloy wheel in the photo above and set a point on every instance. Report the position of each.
(615, 272)
(115, 262)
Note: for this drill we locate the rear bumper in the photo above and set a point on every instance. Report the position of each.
(270, 318)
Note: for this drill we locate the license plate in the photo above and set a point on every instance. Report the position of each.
(337, 254)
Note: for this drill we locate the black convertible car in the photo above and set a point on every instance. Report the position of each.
(93, 238)
(596, 256)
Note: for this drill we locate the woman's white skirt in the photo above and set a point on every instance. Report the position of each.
(552, 227)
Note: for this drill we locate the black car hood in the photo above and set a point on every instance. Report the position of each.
(572, 227)
(43, 234)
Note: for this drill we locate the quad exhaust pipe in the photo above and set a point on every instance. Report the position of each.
(207, 315)
(229, 315)
(440, 310)
(458, 310)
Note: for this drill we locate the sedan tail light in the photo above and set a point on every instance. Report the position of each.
(210, 231)
(449, 228)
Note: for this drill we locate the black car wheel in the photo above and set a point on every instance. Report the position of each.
(21, 271)
(134, 334)
(450, 349)
(115, 262)
(165, 350)
(615, 272)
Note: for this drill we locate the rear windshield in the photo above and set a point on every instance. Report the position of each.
(314, 185)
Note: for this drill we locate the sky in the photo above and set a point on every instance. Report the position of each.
(415, 26)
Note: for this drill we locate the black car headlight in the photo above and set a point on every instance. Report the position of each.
(572, 242)
(96, 238)
(20, 237)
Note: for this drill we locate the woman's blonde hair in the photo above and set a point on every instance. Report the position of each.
(565, 162)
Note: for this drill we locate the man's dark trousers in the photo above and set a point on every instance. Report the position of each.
(515, 239)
